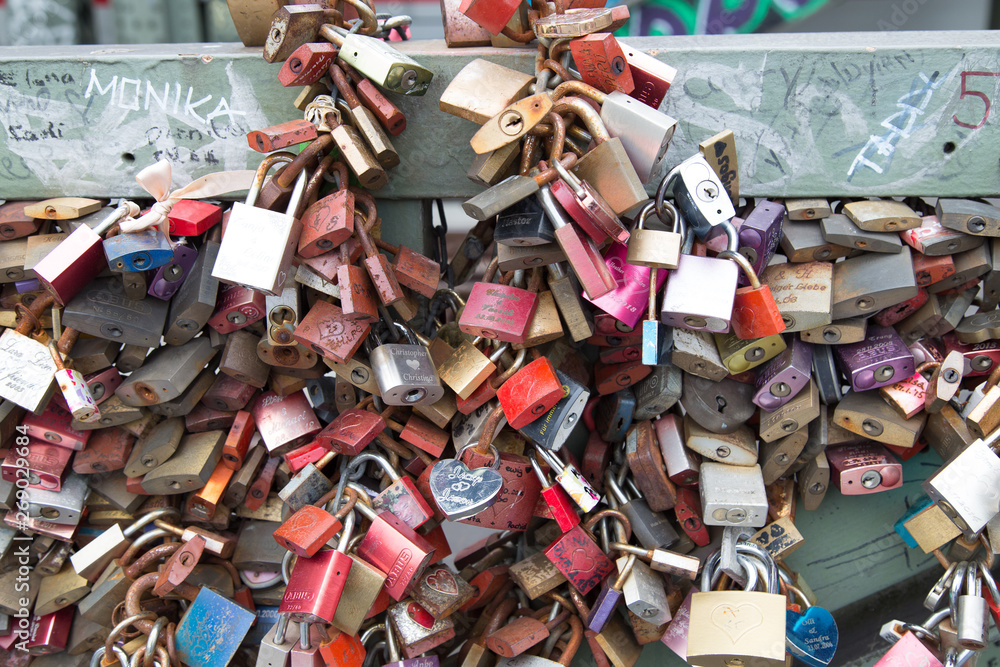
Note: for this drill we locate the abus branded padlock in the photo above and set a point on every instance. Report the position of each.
(257, 249)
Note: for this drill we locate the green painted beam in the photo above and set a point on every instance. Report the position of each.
(819, 114)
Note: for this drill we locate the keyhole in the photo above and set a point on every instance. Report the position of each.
(721, 403)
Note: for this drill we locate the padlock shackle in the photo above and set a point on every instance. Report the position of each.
(744, 264)
(619, 582)
(590, 117)
(570, 86)
(758, 552)
(268, 163)
(612, 484)
(611, 514)
(344, 86)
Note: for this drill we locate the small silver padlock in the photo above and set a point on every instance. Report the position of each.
(405, 373)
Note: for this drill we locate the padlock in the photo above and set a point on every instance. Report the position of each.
(63, 507)
(627, 302)
(467, 368)
(74, 389)
(802, 409)
(401, 498)
(524, 223)
(871, 417)
(882, 215)
(699, 194)
(740, 355)
(871, 282)
(391, 118)
(802, 293)
(861, 469)
(351, 431)
(610, 595)
(79, 258)
(579, 250)
(138, 251)
(733, 495)
(260, 239)
(738, 448)
(551, 430)
(602, 63)
(166, 373)
(777, 456)
(284, 422)
(962, 489)
(562, 508)
(642, 452)
(189, 468)
(578, 22)
(578, 557)
(784, 376)
(840, 230)
(814, 480)
(969, 217)
(804, 242)
(498, 311)
(406, 374)
(755, 313)
(720, 407)
(700, 291)
(933, 239)
(326, 331)
(55, 425)
(839, 332)
(759, 235)
(394, 548)
(583, 202)
(718, 631)
(530, 393)
(652, 529)
(316, 583)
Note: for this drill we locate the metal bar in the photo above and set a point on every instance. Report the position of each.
(819, 114)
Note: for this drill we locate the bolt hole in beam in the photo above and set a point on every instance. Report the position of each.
(949, 147)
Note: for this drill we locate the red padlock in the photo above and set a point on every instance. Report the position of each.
(577, 555)
(191, 217)
(602, 62)
(238, 440)
(530, 393)
(560, 506)
(351, 431)
(307, 64)
(498, 311)
(306, 531)
(330, 221)
(492, 15)
(688, 511)
(280, 136)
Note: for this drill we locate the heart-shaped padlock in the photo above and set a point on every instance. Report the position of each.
(811, 637)
(460, 492)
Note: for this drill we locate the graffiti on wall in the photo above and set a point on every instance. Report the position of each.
(715, 17)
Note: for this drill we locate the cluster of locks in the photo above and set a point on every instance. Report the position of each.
(263, 423)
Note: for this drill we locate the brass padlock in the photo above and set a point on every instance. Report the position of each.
(190, 466)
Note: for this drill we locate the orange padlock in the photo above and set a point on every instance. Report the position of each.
(755, 314)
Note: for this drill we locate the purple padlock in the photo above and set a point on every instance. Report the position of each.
(170, 276)
(879, 360)
(28, 285)
(759, 236)
(629, 302)
(781, 379)
(609, 597)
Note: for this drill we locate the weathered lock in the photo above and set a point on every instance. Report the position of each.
(101, 309)
(866, 284)
(719, 620)
(166, 373)
(578, 250)
(405, 373)
(499, 197)
(551, 430)
(15, 222)
(326, 331)
(839, 332)
(63, 507)
(804, 242)
(316, 584)
(740, 355)
(380, 62)
(583, 202)
(170, 277)
(880, 359)
(524, 223)
(862, 469)
(944, 383)
(613, 415)
(802, 409)
(700, 291)
(807, 208)
(642, 451)
(257, 249)
(55, 425)
(783, 376)
(738, 448)
(138, 251)
(652, 529)
(216, 618)
(777, 456)
(814, 480)
(720, 407)
(466, 368)
(190, 466)
(284, 421)
(882, 215)
(401, 498)
(732, 495)
(841, 231)
(74, 390)
(578, 557)
(560, 506)
(695, 352)
(394, 548)
(870, 417)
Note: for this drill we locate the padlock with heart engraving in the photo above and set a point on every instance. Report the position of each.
(405, 373)
(578, 557)
(498, 311)
(745, 626)
(401, 497)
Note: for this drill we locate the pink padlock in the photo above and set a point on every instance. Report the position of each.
(627, 302)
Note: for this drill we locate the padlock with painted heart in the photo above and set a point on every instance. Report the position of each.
(460, 492)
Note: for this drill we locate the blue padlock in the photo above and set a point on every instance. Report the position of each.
(211, 631)
(139, 251)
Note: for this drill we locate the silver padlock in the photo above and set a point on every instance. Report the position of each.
(699, 293)
(733, 495)
(406, 374)
(699, 194)
(971, 612)
(967, 487)
(257, 249)
(645, 132)
(63, 507)
(644, 593)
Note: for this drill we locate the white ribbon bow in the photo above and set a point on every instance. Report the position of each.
(155, 179)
